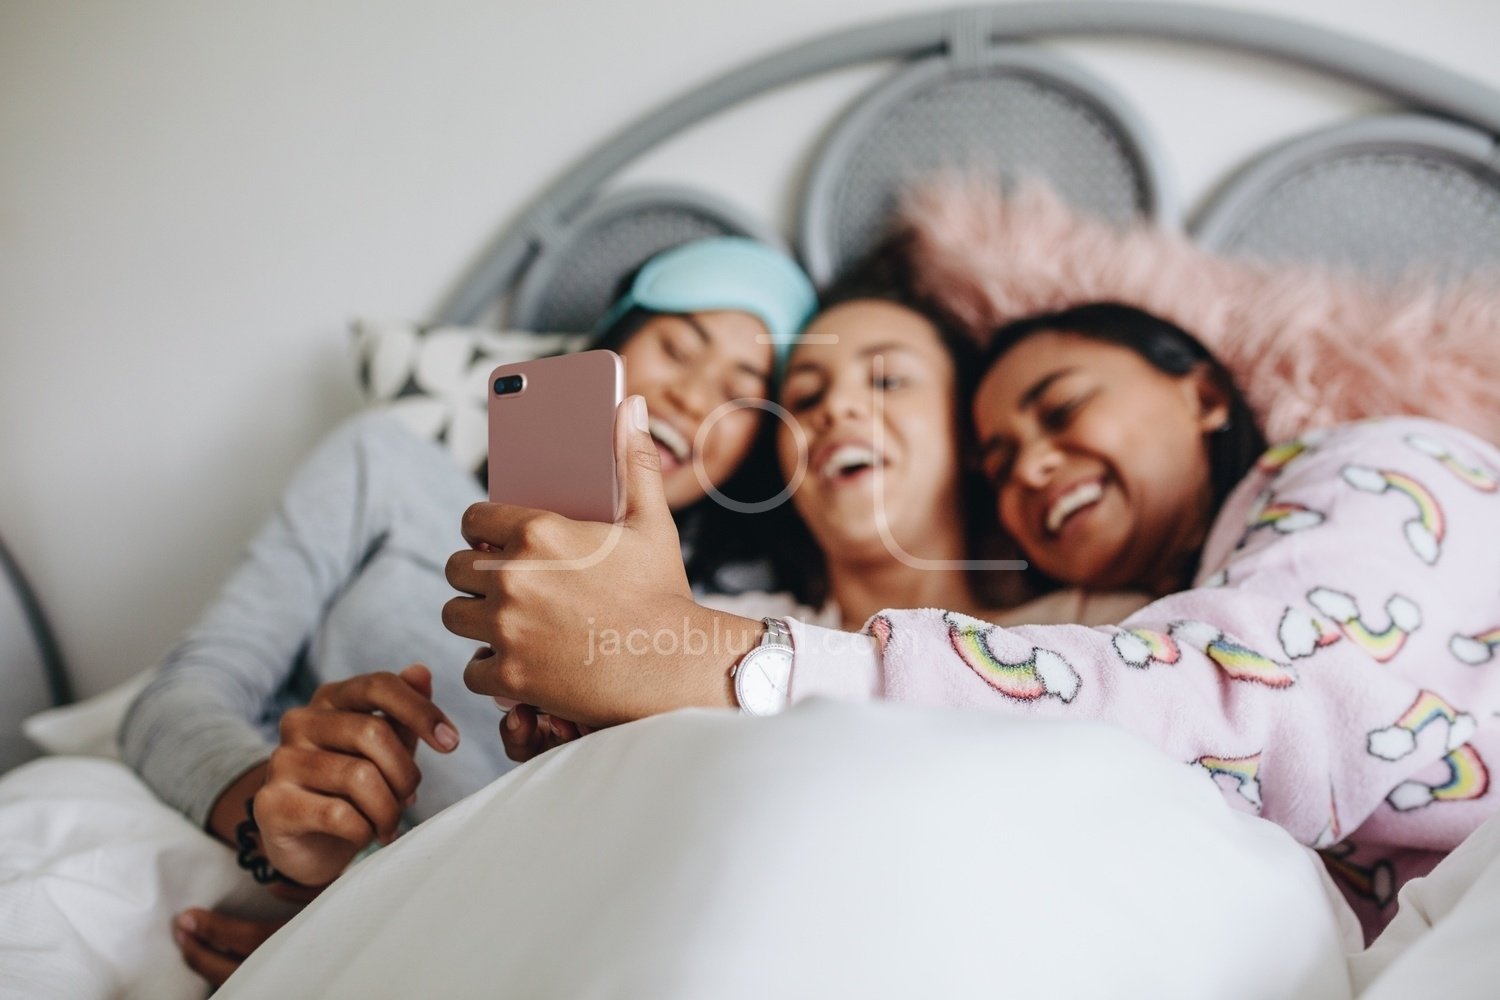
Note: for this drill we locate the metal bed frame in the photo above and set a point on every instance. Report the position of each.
(1419, 187)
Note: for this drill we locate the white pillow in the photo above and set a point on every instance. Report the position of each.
(86, 728)
(435, 377)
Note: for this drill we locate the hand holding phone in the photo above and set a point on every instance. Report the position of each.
(552, 436)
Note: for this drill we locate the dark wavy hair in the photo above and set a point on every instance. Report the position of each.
(1169, 349)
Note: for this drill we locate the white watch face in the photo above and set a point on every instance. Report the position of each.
(763, 680)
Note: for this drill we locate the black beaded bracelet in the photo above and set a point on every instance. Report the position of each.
(250, 858)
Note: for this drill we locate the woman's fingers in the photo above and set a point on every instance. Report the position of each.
(214, 944)
(356, 735)
(527, 733)
(396, 698)
(288, 808)
(307, 836)
(420, 679)
(202, 959)
(465, 578)
(563, 731)
(227, 935)
(519, 733)
(345, 767)
(469, 617)
(493, 525)
(482, 673)
(341, 780)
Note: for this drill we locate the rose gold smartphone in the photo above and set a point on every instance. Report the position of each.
(552, 434)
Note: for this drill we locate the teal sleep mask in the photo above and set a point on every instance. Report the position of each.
(725, 272)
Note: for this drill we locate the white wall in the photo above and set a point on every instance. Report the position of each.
(195, 197)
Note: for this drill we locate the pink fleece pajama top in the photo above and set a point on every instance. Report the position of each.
(1335, 668)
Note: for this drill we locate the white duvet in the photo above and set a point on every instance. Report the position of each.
(835, 851)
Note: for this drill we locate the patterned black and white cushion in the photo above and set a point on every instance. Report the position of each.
(435, 378)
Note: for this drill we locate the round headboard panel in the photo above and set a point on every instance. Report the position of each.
(574, 278)
(1007, 112)
(1382, 196)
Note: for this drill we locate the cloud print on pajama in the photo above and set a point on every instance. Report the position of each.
(1482, 479)
(1475, 649)
(1242, 772)
(1401, 738)
(1034, 673)
(1330, 643)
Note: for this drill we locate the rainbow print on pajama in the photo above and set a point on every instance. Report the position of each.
(1376, 882)
(1400, 740)
(1424, 533)
(1281, 517)
(1475, 649)
(1041, 674)
(1405, 618)
(1240, 662)
(1467, 779)
(1287, 517)
(1303, 635)
(1279, 456)
(1244, 772)
(1140, 647)
(1482, 479)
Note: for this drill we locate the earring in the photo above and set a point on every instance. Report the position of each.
(1224, 427)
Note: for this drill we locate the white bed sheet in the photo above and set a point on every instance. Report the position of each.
(1442, 942)
(92, 870)
(871, 851)
(839, 841)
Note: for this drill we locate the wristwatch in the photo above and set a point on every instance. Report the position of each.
(763, 677)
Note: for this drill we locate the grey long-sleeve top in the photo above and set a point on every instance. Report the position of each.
(345, 578)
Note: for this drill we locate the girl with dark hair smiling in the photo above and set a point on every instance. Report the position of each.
(1231, 445)
(1316, 649)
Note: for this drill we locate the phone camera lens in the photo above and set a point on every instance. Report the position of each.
(508, 384)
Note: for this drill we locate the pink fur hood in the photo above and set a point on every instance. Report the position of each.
(1308, 347)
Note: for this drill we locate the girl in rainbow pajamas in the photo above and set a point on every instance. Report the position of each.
(1324, 646)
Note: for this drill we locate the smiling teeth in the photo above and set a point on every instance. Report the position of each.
(848, 456)
(1074, 499)
(671, 438)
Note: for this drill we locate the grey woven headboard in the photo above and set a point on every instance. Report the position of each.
(1418, 187)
